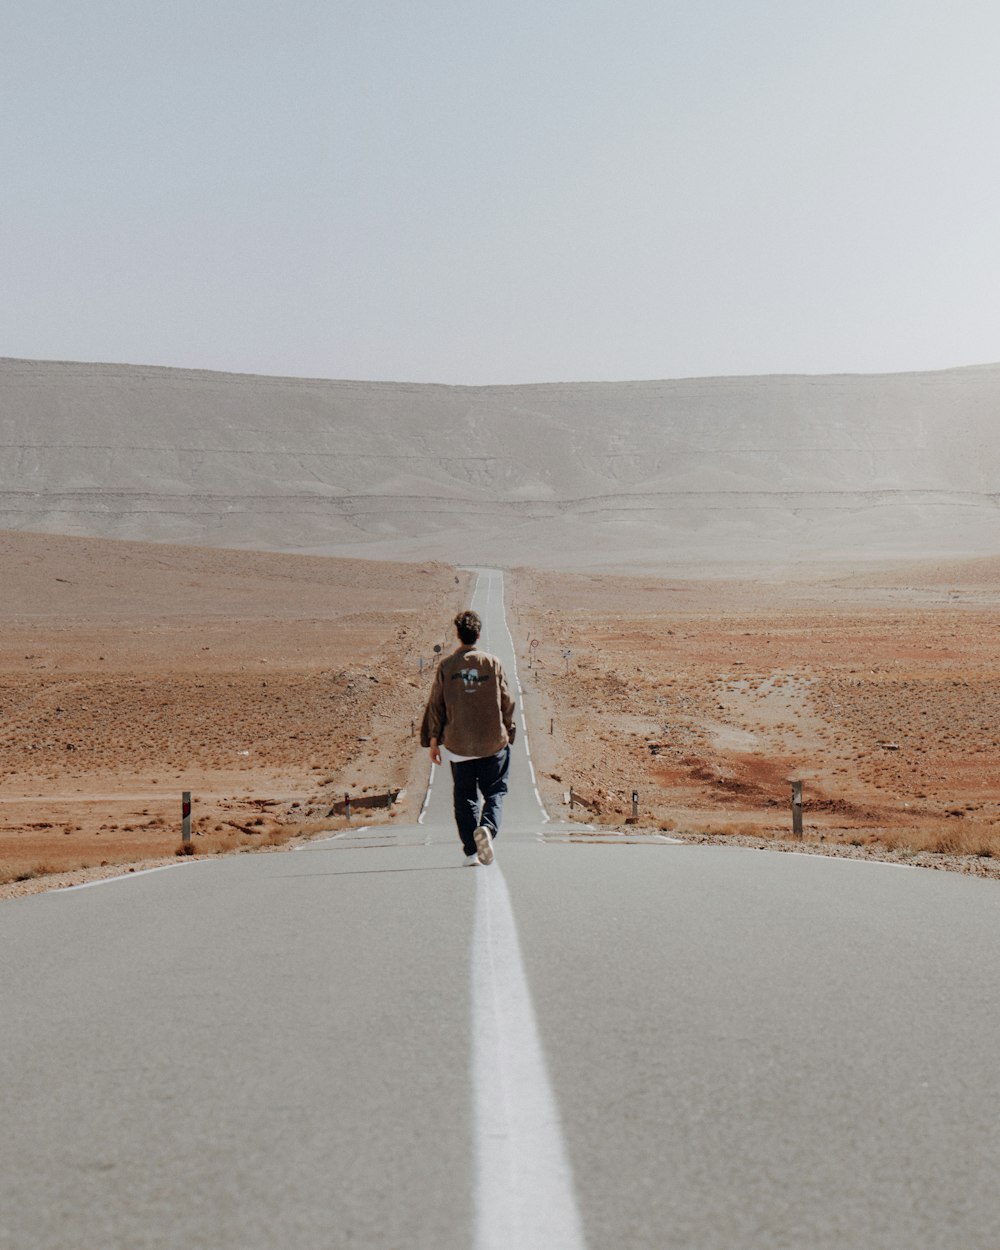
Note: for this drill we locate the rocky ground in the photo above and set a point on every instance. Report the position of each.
(272, 686)
(880, 692)
(268, 686)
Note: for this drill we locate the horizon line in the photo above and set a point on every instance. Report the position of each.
(481, 386)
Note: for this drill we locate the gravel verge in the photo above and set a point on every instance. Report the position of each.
(971, 865)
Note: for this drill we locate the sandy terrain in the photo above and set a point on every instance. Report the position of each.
(267, 685)
(880, 692)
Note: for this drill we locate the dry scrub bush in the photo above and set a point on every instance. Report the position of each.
(953, 839)
(28, 874)
(964, 839)
(225, 843)
(745, 829)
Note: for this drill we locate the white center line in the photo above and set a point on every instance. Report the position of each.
(525, 1198)
(517, 681)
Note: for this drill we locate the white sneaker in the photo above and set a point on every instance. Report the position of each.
(484, 844)
(471, 861)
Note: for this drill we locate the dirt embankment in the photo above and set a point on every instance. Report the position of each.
(267, 685)
(880, 692)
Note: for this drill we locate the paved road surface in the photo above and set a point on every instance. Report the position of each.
(365, 1044)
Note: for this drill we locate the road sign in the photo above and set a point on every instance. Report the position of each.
(534, 642)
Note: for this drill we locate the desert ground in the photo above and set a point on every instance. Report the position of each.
(267, 685)
(270, 686)
(880, 691)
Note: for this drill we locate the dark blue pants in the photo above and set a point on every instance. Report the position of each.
(472, 778)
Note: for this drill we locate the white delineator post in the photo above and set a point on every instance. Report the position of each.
(186, 816)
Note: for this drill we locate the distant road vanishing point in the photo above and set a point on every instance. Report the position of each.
(599, 1041)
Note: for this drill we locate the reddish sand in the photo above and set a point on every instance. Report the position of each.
(881, 692)
(268, 685)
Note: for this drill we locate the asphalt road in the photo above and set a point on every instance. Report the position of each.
(593, 1043)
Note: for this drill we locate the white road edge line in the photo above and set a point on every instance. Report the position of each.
(850, 859)
(332, 838)
(123, 876)
(525, 1196)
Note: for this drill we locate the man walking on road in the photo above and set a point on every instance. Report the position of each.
(469, 721)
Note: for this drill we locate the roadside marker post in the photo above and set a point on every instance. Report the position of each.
(635, 804)
(347, 807)
(186, 816)
(797, 809)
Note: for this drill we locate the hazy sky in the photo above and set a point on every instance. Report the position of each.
(535, 190)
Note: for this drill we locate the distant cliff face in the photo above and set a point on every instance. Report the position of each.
(574, 475)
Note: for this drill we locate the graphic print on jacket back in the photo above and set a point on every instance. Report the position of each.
(471, 679)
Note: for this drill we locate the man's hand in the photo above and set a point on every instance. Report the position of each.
(435, 752)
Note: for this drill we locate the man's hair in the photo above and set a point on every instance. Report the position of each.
(469, 626)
